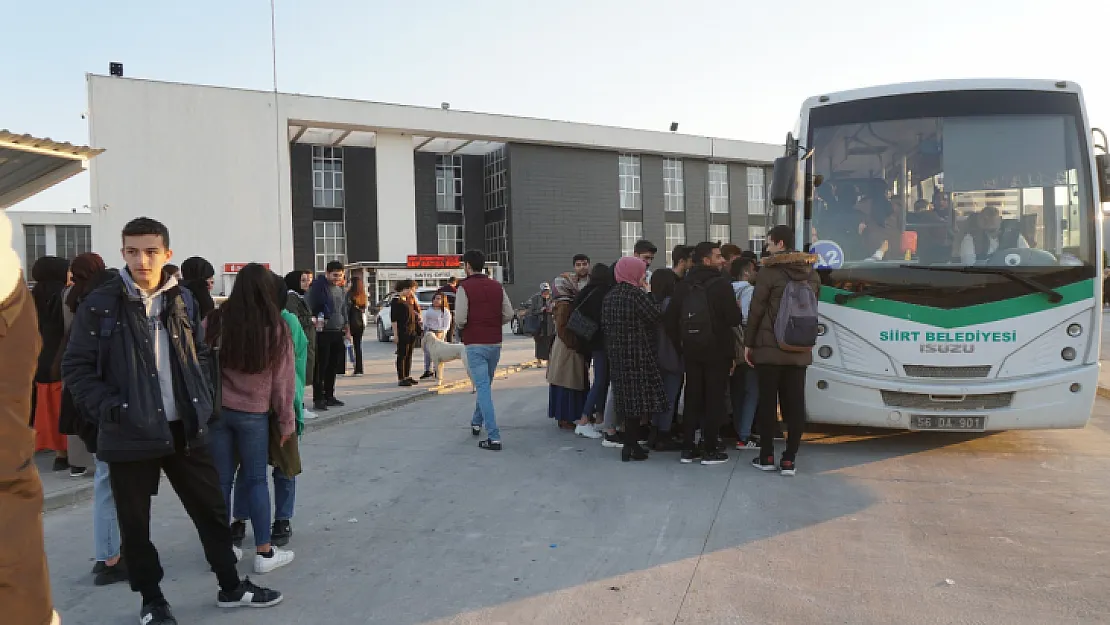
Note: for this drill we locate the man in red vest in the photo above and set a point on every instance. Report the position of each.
(482, 309)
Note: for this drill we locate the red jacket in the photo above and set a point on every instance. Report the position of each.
(484, 298)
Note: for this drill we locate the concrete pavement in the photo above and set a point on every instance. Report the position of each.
(401, 520)
(372, 393)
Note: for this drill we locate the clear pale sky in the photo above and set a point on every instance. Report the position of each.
(734, 69)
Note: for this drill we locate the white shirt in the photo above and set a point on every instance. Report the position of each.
(967, 247)
(437, 320)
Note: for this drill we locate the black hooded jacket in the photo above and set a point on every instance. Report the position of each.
(724, 312)
(50, 274)
(195, 272)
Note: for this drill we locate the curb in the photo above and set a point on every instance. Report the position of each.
(65, 498)
(1103, 392)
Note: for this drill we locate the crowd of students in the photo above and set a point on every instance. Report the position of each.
(722, 331)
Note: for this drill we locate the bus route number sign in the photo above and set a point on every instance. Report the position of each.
(829, 254)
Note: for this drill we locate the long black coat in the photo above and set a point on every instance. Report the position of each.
(630, 321)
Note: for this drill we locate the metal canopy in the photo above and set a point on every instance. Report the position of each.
(29, 165)
(367, 139)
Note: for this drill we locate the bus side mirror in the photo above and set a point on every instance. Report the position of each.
(1102, 163)
(784, 180)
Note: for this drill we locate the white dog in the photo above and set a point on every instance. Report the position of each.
(442, 352)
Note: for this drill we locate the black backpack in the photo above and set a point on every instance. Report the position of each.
(696, 324)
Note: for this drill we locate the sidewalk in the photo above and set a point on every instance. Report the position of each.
(365, 395)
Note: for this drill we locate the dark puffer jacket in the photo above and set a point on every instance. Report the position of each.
(110, 368)
(776, 272)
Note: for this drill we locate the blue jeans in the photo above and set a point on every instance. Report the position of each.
(672, 384)
(482, 361)
(595, 399)
(744, 388)
(249, 434)
(285, 495)
(105, 523)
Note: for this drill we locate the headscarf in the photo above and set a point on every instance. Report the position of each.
(195, 272)
(630, 270)
(196, 268)
(565, 288)
(83, 268)
(49, 274)
(293, 282)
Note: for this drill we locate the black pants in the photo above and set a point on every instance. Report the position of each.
(194, 478)
(405, 345)
(706, 384)
(356, 343)
(329, 358)
(781, 386)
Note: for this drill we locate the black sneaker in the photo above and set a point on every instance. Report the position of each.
(238, 532)
(281, 532)
(247, 595)
(412, 381)
(77, 471)
(788, 468)
(613, 441)
(476, 430)
(764, 464)
(405, 383)
(716, 457)
(61, 464)
(319, 406)
(335, 402)
(690, 456)
(156, 613)
(99, 567)
(427, 374)
(490, 445)
(111, 575)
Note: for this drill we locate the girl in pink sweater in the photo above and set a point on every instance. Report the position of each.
(258, 376)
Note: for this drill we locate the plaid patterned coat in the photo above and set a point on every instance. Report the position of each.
(630, 320)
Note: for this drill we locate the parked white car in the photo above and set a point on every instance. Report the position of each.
(424, 295)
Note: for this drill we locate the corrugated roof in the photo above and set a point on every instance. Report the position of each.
(29, 165)
(35, 144)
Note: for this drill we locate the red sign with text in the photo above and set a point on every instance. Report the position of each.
(433, 261)
(237, 267)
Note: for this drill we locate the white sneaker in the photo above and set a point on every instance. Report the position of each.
(238, 553)
(308, 414)
(588, 431)
(263, 565)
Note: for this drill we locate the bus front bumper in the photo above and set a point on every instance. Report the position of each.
(1047, 401)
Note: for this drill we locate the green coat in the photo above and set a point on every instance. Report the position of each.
(300, 356)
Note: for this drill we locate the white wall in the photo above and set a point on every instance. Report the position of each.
(206, 162)
(48, 219)
(396, 182)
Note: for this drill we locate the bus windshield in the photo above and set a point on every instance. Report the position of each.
(1003, 190)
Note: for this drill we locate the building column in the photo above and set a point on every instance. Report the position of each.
(396, 187)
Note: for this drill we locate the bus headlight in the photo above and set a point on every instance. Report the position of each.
(1074, 330)
(1068, 353)
(824, 351)
(822, 329)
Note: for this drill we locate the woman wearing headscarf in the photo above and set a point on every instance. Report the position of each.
(199, 276)
(297, 282)
(566, 371)
(51, 274)
(540, 309)
(83, 269)
(630, 320)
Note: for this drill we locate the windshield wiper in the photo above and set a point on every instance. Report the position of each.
(844, 298)
(1032, 285)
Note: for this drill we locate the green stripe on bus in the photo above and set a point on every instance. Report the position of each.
(968, 315)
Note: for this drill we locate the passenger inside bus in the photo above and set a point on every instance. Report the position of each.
(987, 234)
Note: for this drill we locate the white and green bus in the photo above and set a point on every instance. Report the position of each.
(959, 235)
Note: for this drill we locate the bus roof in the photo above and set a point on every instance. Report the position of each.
(972, 84)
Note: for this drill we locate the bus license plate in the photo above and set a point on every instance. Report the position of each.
(949, 423)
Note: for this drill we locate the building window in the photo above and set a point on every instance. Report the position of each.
(36, 245)
(450, 238)
(719, 233)
(497, 246)
(718, 188)
(327, 177)
(449, 183)
(628, 166)
(495, 180)
(631, 232)
(756, 236)
(757, 204)
(674, 198)
(331, 243)
(675, 235)
(72, 240)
